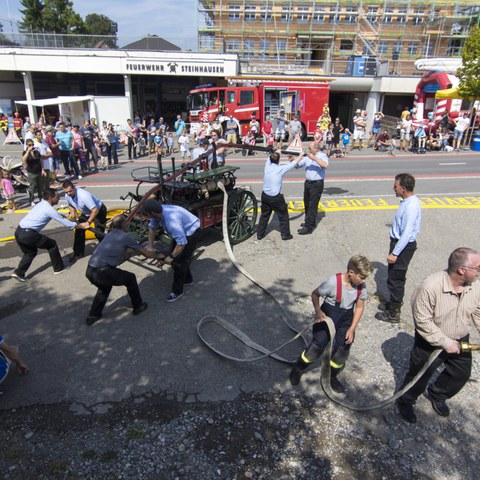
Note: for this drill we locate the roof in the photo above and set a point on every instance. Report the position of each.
(151, 43)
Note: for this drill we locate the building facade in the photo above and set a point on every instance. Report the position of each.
(325, 36)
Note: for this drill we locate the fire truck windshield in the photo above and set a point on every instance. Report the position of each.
(197, 101)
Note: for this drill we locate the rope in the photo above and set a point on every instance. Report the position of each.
(325, 370)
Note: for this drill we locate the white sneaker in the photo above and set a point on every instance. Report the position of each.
(79, 177)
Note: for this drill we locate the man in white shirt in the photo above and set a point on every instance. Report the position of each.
(46, 156)
(461, 124)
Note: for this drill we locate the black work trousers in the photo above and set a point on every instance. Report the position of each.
(69, 162)
(112, 153)
(29, 242)
(278, 205)
(312, 193)
(132, 148)
(90, 149)
(104, 278)
(456, 372)
(181, 264)
(342, 319)
(79, 239)
(397, 272)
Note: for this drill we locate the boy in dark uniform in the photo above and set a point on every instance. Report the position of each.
(344, 297)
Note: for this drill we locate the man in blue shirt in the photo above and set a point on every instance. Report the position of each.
(29, 238)
(315, 163)
(183, 227)
(403, 235)
(103, 271)
(91, 210)
(272, 199)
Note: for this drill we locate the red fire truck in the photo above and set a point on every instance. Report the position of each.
(262, 96)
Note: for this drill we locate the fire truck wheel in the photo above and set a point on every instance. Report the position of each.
(241, 215)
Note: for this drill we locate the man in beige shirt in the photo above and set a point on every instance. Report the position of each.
(444, 308)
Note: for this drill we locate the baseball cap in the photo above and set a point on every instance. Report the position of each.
(49, 128)
(204, 141)
(75, 125)
(358, 111)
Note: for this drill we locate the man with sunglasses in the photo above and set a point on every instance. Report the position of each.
(444, 308)
(403, 243)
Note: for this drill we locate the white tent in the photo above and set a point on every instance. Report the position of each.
(54, 101)
(71, 107)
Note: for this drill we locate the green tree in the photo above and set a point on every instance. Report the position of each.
(469, 73)
(103, 26)
(59, 17)
(32, 16)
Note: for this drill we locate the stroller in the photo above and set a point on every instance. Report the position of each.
(17, 172)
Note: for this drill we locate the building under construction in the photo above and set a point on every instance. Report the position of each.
(342, 37)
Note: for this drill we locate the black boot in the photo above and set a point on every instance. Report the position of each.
(297, 372)
(384, 306)
(335, 383)
(392, 315)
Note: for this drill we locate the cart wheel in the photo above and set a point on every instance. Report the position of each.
(241, 215)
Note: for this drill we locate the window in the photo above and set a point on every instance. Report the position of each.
(346, 44)
(246, 97)
(454, 47)
(250, 13)
(333, 19)
(233, 45)
(350, 19)
(248, 46)
(388, 10)
(264, 45)
(230, 97)
(401, 20)
(234, 13)
(427, 49)
(382, 47)
(319, 15)
(302, 14)
(279, 56)
(397, 47)
(402, 11)
(286, 15)
(412, 48)
(263, 56)
(266, 12)
(280, 45)
(387, 20)
(417, 20)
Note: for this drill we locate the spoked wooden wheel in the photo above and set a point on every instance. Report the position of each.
(241, 215)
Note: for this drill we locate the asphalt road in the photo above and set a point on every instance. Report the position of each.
(365, 173)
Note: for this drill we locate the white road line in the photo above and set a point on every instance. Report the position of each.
(454, 163)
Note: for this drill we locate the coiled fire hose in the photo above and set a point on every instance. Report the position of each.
(325, 369)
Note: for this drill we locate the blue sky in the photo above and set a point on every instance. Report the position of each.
(174, 20)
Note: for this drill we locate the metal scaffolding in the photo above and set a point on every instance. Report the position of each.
(319, 32)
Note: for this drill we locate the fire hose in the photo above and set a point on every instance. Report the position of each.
(265, 352)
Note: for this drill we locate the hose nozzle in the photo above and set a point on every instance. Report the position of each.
(469, 347)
